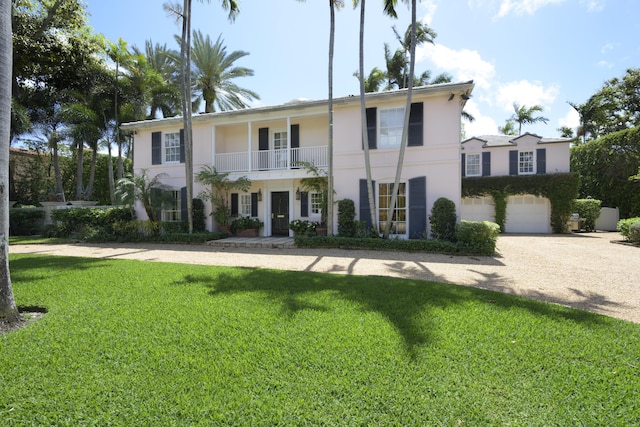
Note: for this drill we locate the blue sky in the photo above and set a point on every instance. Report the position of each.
(544, 52)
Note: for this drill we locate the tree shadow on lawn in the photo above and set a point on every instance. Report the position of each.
(22, 265)
(406, 304)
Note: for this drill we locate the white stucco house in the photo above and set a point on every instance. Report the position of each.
(526, 154)
(265, 144)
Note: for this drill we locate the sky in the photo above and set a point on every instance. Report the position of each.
(530, 52)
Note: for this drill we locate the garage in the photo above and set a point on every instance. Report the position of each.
(528, 214)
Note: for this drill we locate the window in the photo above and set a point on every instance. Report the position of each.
(391, 123)
(172, 147)
(399, 216)
(171, 207)
(525, 162)
(280, 147)
(315, 202)
(245, 204)
(473, 165)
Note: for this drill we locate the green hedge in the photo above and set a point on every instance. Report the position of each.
(560, 188)
(25, 221)
(624, 226)
(473, 238)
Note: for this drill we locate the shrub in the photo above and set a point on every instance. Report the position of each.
(589, 209)
(245, 223)
(478, 237)
(25, 221)
(443, 219)
(302, 226)
(169, 227)
(634, 232)
(346, 218)
(624, 225)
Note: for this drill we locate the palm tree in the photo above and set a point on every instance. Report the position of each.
(8, 310)
(184, 12)
(165, 94)
(214, 71)
(151, 192)
(523, 115)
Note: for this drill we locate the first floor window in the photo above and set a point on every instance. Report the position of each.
(171, 211)
(398, 217)
(391, 123)
(315, 202)
(473, 164)
(172, 147)
(525, 162)
(245, 204)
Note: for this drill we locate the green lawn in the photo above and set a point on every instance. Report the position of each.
(155, 344)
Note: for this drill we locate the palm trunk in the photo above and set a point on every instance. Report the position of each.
(79, 170)
(330, 146)
(56, 169)
(405, 128)
(112, 190)
(8, 310)
(185, 66)
(92, 173)
(363, 118)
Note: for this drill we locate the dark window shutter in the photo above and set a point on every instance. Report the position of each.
(304, 203)
(156, 148)
(254, 205)
(416, 119)
(372, 131)
(417, 207)
(263, 139)
(463, 160)
(513, 162)
(181, 145)
(156, 203)
(183, 204)
(234, 204)
(486, 163)
(541, 159)
(365, 212)
(295, 136)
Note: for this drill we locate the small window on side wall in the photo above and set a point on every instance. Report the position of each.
(473, 165)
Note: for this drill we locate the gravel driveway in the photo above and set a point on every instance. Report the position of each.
(588, 271)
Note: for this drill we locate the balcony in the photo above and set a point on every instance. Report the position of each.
(268, 160)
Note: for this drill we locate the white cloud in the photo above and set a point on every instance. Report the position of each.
(527, 93)
(523, 7)
(430, 8)
(594, 5)
(605, 64)
(482, 125)
(607, 48)
(571, 119)
(463, 64)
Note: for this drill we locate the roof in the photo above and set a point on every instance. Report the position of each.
(463, 89)
(512, 141)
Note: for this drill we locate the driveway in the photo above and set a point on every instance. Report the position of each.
(588, 271)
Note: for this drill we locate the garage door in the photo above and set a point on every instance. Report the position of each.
(528, 214)
(477, 209)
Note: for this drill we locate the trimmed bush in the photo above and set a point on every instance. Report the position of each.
(589, 209)
(624, 226)
(25, 221)
(443, 220)
(346, 218)
(634, 232)
(477, 237)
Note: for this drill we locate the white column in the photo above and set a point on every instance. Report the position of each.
(249, 143)
(288, 142)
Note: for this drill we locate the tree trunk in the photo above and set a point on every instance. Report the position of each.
(330, 146)
(56, 169)
(92, 174)
(79, 170)
(185, 71)
(405, 128)
(112, 190)
(8, 310)
(363, 118)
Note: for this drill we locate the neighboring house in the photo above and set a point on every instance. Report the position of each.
(526, 154)
(265, 144)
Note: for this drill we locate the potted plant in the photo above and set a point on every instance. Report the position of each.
(218, 192)
(246, 226)
(302, 226)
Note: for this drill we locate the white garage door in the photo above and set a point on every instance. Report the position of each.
(528, 214)
(477, 209)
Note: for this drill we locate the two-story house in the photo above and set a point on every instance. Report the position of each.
(266, 145)
(526, 154)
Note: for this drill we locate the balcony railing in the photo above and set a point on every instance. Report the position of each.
(271, 159)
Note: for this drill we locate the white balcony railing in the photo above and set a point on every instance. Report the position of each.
(271, 159)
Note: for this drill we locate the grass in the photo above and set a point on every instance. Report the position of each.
(148, 344)
(37, 240)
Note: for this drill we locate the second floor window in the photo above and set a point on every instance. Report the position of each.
(391, 123)
(473, 165)
(172, 147)
(525, 162)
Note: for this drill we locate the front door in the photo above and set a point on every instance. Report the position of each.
(280, 213)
